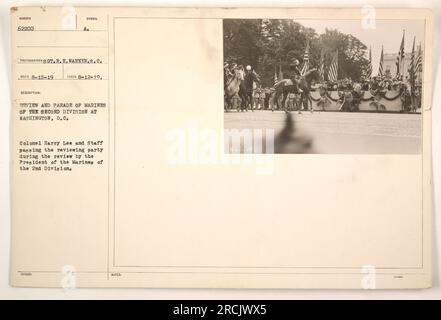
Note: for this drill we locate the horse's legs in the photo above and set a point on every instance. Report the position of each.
(285, 95)
(309, 101)
(245, 102)
(232, 102)
(242, 101)
(305, 102)
(251, 99)
(276, 100)
(227, 104)
(272, 101)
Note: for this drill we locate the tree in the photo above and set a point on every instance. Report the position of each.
(242, 40)
(351, 57)
(266, 44)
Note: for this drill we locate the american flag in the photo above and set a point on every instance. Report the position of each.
(369, 68)
(305, 66)
(412, 73)
(400, 58)
(333, 69)
(419, 62)
(380, 68)
(322, 66)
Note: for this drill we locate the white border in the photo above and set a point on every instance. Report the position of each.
(7, 292)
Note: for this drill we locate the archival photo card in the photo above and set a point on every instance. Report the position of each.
(221, 148)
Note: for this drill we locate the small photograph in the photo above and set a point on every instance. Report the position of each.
(323, 86)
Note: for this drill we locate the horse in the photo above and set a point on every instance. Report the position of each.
(246, 90)
(301, 86)
(284, 87)
(233, 86)
(304, 85)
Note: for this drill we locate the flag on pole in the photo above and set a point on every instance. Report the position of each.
(305, 66)
(380, 68)
(333, 69)
(412, 66)
(275, 75)
(369, 68)
(400, 58)
(322, 66)
(419, 64)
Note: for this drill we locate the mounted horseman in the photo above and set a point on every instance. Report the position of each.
(246, 88)
(305, 89)
(232, 80)
(288, 85)
(296, 83)
(294, 71)
(228, 75)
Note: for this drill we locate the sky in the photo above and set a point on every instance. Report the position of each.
(388, 33)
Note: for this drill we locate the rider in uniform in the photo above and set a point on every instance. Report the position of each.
(248, 87)
(249, 71)
(294, 71)
(294, 75)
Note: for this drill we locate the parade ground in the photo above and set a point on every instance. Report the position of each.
(340, 132)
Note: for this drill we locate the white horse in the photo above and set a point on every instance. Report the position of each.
(233, 86)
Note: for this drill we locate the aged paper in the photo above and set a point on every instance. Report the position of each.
(221, 148)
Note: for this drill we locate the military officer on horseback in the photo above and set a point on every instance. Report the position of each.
(227, 74)
(246, 88)
(294, 71)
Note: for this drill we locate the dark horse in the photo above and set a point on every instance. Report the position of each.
(284, 87)
(302, 85)
(246, 90)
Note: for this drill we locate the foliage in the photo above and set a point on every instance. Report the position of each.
(266, 44)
